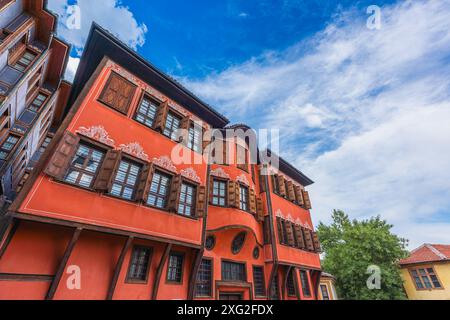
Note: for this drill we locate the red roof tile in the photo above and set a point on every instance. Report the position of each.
(428, 253)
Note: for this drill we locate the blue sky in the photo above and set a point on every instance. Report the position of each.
(365, 113)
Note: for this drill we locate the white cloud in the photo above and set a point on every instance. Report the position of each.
(110, 14)
(71, 70)
(365, 113)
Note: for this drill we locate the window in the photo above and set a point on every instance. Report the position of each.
(186, 205)
(295, 235)
(290, 284)
(37, 102)
(175, 268)
(146, 112)
(266, 229)
(195, 138)
(118, 93)
(276, 186)
(140, 260)
(7, 146)
(243, 201)
(219, 193)
(172, 125)
(242, 158)
(210, 243)
(425, 278)
(256, 253)
(238, 242)
(324, 291)
(159, 190)
(233, 271)
(258, 281)
(25, 60)
(305, 284)
(282, 232)
(126, 179)
(84, 165)
(204, 279)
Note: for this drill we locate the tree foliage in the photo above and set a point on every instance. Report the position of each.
(351, 246)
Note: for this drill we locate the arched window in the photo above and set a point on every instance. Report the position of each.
(238, 242)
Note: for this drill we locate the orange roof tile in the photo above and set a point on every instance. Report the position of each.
(428, 253)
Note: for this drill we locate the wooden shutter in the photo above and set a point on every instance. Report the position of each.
(299, 195)
(280, 230)
(306, 200)
(237, 193)
(316, 242)
(185, 125)
(290, 234)
(300, 239)
(308, 239)
(259, 209)
(59, 162)
(224, 153)
(201, 202)
(281, 185)
(232, 194)
(252, 201)
(118, 93)
(262, 182)
(108, 170)
(174, 196)
(145, 181)
(161, 116)
(290, 191)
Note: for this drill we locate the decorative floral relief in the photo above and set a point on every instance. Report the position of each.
(191, 175)
(307, 226)
(289, 218)
(298, 222)
(242, 178)
(97, 133)
(279, 214)
(135, 149)
(165, 162)
(219, 172)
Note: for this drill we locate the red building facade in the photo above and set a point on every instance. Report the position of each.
(110, 212)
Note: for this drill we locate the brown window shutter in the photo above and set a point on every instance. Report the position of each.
(262, 182)
(118, 93)
(232, 194)
(63, 155)
(174, 196)
(145, 182)
(252, 201)
(185, 124)
(225, 153)
(280, 230)
(308, 239)
(299, 195)
(290, 234)
(108, 170)
(161, 116)
(260, 209)
(290, 191)
(300, 240)
(306, 200)
(201, 202)
(281, 185)
(316, 242)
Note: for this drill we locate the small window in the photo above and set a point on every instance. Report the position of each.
(140, 260)
(7, 146)
(219, 193)
(186, 205)
(146, 112)
(305, 283)
(256, 253)
(290, 284)
(25, 60)
(233, 271)
(425, 278)
(210, 243)
(324, 291)
(243, 201)
(159, 190)
(204, 279)
(84, 166)
(172, 125)
(175, 268)
(38, 102)
(238, 242)
(125, 181)
(195, 138)
(258, 281)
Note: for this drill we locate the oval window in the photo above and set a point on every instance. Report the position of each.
(210, 243)
(256, 253)
(238, 242)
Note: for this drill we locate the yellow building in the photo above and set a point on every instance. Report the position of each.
(426, 273)
(327, 289)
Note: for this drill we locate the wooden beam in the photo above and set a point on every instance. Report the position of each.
(62, 264)
(160, 270)
(193, 276)
(11, 233)
(119, 264)
(271, 279)
(318, 274)
(25, 277)
(286, 275)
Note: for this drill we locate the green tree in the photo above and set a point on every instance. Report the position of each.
(351, 246)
